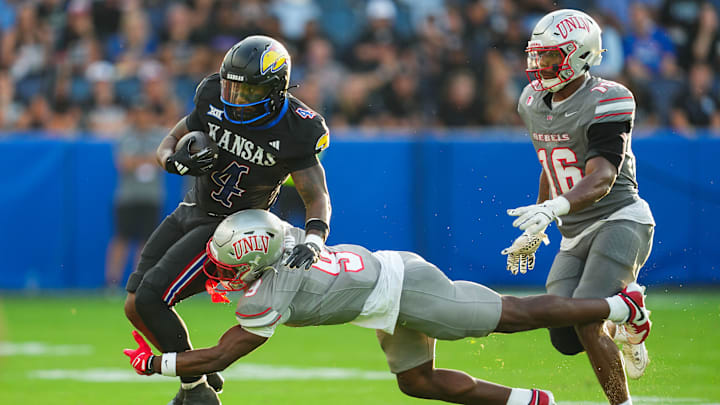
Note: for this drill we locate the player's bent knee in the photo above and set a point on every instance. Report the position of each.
(566, 341)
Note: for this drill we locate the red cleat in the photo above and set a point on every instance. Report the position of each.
(638, 323)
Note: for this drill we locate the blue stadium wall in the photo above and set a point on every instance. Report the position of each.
(443, 196)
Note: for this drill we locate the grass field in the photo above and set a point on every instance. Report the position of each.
(64, 350)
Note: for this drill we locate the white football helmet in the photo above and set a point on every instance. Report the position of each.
(562, 47)
(244, 245)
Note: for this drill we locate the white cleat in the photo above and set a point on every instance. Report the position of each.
(635, 356)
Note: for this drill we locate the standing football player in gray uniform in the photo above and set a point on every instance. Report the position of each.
(581, 129)
(409, 301)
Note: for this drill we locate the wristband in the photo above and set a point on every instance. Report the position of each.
(559, 205)
(312, 238)
(168, 362)
(318, 225)
(149, 368)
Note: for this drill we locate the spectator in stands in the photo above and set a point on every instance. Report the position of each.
(106, 118)
(139, 192)
(699, 105)
(132, 45)
(354, 107)
(460, 105)
(30, 49)
(500, 92)
(651, 63)
(10, 109)
(705, 40)
(157, 90)
(37, 114)
(401, 102)
(319, 66)
(176, 46)
(379, 40)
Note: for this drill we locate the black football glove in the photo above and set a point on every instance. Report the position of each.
(184, 162)
(303, 255)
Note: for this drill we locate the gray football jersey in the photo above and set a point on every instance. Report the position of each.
(559, 136)
(333, 291)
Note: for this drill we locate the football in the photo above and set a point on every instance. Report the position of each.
(200, 141)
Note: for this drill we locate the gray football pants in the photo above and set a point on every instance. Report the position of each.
(601, 265)
(434, 307)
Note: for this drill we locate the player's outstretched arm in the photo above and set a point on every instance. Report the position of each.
(234, 344)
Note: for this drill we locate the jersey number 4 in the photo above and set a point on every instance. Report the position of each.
(562, 176)
(335, 262)
(228, 180)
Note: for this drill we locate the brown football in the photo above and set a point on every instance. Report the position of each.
(200, 141)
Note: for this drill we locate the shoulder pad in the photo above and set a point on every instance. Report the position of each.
(612, 101)
(252, 315)
(209, 87)
(313, 125)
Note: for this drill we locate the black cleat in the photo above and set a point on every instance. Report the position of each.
(216, 381)
(203, 394)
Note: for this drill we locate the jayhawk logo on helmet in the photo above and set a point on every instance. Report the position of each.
(273, 59)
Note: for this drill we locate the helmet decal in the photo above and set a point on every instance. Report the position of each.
(273, 59)
(570, 24)
(251, 244)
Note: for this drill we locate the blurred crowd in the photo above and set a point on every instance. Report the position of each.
(98, 68)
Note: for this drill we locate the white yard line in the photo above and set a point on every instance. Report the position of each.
(42, 349)
(261, 372)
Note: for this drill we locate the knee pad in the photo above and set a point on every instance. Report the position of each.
(566, 341)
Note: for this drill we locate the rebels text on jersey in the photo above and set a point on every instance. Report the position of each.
(253, 161)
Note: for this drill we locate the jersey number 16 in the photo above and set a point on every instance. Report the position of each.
(562, 176)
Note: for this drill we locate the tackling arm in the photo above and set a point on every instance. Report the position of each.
(234, 344)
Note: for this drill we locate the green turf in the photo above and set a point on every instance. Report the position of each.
(684, 348)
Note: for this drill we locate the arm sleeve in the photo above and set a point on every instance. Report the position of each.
(608, 139)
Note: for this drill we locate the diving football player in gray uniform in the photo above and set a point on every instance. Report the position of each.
(409, 301)
(581, 129)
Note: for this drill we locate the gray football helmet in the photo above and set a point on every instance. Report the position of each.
(562, 47)
(244, 245)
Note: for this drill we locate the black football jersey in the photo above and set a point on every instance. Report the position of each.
(253, 161)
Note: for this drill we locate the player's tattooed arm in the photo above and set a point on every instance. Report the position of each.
(312, 187)
(167, 145)
(600, 175)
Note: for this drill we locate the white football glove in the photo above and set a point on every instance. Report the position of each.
(535, 218)
(521, 254)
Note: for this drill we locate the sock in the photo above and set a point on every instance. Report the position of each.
(628, 402)
(619, 311)
(519, 396)
(191, 385)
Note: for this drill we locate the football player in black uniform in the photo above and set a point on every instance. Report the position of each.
(264, 134)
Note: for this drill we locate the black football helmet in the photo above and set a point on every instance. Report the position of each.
(254, 79)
